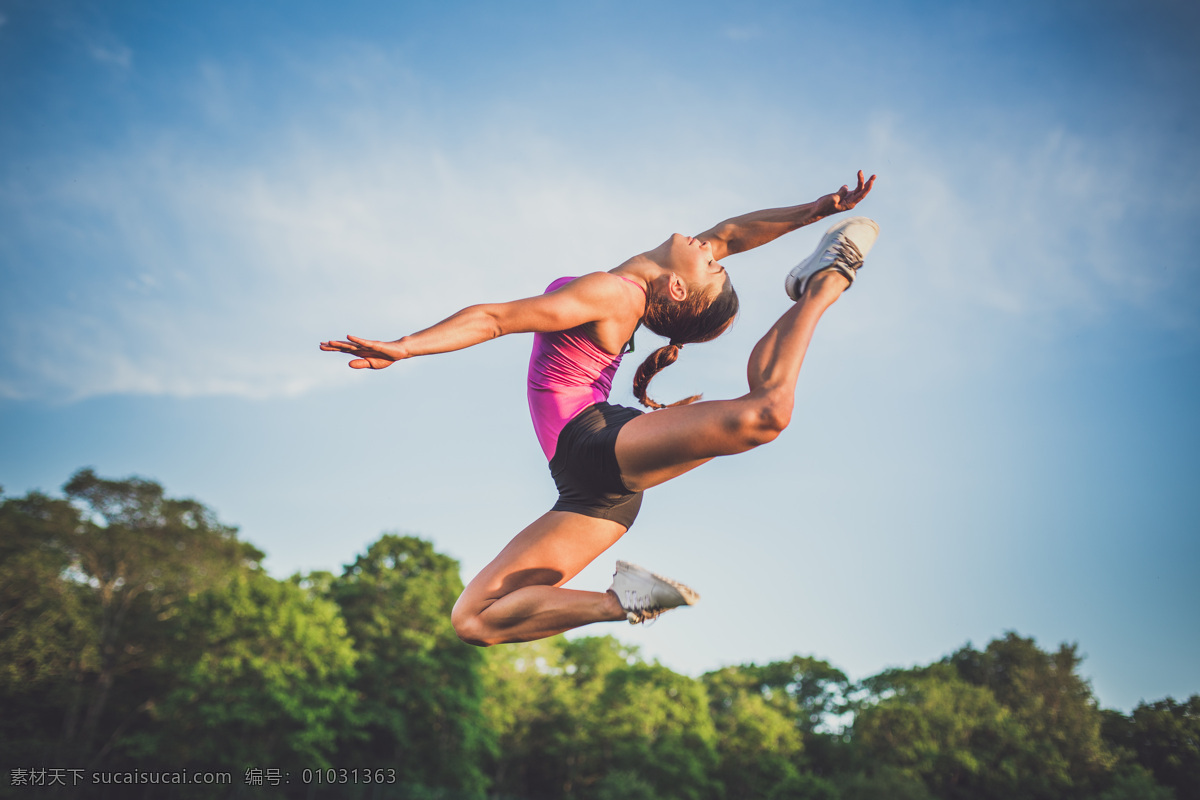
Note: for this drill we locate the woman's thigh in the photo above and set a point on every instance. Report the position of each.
(548, 552)
(666, 443)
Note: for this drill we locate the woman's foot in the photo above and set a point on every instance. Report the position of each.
(644, 595)
(842, 250)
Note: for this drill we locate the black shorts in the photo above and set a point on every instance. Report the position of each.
(585, 466)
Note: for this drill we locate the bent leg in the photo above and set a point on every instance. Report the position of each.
(663, 444)
(518, 596)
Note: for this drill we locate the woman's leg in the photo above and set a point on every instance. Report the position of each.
(661, 445)
(518, 597)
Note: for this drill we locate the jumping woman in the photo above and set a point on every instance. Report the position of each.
(603, 456)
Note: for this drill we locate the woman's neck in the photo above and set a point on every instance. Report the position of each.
(645, 271)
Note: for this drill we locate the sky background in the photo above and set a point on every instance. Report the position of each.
(996, 428)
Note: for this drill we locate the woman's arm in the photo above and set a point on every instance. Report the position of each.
(751, 230)
(584, 300)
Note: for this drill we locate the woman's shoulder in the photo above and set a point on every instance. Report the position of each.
(621, 296)
(601, 282)
(620, 303)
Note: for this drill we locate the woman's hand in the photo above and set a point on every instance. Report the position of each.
(845, 198)
(370, 353)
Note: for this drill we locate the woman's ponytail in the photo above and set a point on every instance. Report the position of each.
(657, 361)
(696, 319)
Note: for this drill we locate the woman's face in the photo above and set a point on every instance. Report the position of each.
(692, 260)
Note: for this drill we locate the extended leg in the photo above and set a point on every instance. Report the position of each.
(664, 444)
(519, 597)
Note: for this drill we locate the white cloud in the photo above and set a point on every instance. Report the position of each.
(1048, 228)
(218, 278)
(118, 55)
(199, 269)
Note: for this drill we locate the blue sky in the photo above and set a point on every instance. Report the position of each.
(996, 428)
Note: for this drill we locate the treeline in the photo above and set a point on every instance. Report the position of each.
(139, 637)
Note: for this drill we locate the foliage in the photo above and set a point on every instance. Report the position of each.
(582, 718)
(1135, 783)
(1059, 721)
(418, 687)
(530, 714)
(624, 785)
(46, 632)
(1164, 738)
(932, 725)
(884, 782)
(137, 631)
(656, 721)
(769, 721)
(759, 742)
(270, 685)
(1011, 720)
(803, 786)
(113, 564)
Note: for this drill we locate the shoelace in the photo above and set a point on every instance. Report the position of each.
(845, 254)
(636, 604)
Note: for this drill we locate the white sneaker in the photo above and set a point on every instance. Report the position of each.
(644, 595)
(843, 248)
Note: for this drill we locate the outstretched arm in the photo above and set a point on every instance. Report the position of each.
(751, 230)
(584, 300)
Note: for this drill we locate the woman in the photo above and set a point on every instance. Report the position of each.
(604, 456)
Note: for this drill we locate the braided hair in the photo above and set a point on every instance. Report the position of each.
(695, 319)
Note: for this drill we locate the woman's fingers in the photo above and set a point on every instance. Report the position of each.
(363, 348)
(351, 342)
(849, 199)
(371, 363)
(863, 188)
(370, 344)
(366, 357)
(343, 347)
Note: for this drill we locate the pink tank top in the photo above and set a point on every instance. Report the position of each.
(567, 373)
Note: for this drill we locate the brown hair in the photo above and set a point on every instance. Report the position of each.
(696, 319)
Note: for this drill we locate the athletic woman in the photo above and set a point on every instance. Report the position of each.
(603, 456)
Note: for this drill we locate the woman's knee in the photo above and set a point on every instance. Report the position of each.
(468, 626)
(763, 418)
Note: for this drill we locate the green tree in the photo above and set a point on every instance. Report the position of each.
(930, 724)
(142, 554)
(656, 722)
(530, 712)
(419, 688)
(623, 784)
(1055, 708)
(1136, 783)
(1163, 737)
(807, 786)
(759, 743)
(881, 783)
(46, 631)
(811, 690)
(118, 560)
(588, 718)
(265, 682)
(808, 693)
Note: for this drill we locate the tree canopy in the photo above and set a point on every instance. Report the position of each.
(139, 633)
